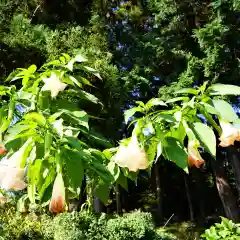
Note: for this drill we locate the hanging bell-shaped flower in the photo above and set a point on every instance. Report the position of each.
(194, 157)
(230, 134)
(58, 200)
(12, 178)
(132, 156)
(3, 150)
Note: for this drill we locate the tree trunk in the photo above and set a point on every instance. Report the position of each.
(158, 191)
(234, 158)
(118, 199)
(82, 195)
(191, 214)
(98, 205)
(224, 190)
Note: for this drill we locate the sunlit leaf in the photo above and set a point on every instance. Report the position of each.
(75, 169)
(80, 58)
(35, 117)
(155, 102)
(177, 99)
(114, 170)
(224, 89)
(226, 111)
(188, 91)
(176, 153)
(210, 108)
(206, 136)
(130, 112)
(93, 71)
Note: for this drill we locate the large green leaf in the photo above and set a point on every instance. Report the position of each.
(102, 192)
(33, 178)
(80, 117)
(224, 89)
(44, 99)
(75, 169)
(114, 170)
(159, 150)
(122, 180)
(206, 136)
(48, 176)
(175, 152)
(155, 102)
(226, 111)
(152, 149)
(177, 99)
(130, 112)
(35, 117)
(210, 108)
(93, 71)
(187, 91)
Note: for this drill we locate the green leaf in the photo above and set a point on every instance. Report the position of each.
(80, 58)
(166, 117)
(35, 117)
(159, 150)
(48, 143)
(130, 112)
(210, 108)
(80, 117)
(224, 89)
(122, 180)
(45, 99)
(20, 157)
(114, 170)
(226, 111)
(93, 71)
(75, 169)
(21, 204)
(88, 96)
(102, 192)
(173, 100)
(4, 90)
(152, 149)
(49, 175)
(188, 91)
(33, 178)
(24, 95)
(32, 69)
(206, 136)
(155, 102)
(175, 152)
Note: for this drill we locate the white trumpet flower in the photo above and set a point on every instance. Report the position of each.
(132, 156)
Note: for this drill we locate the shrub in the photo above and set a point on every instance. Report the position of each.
(226, 230)
(77, 226)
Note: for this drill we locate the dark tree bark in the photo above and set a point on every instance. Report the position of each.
(82, 195)
(158, 191)
(224, 190)
(234, 158)
(191, 213)
(98, 206)
(118, 199)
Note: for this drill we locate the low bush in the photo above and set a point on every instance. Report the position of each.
(77, 226)
(226, 230)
